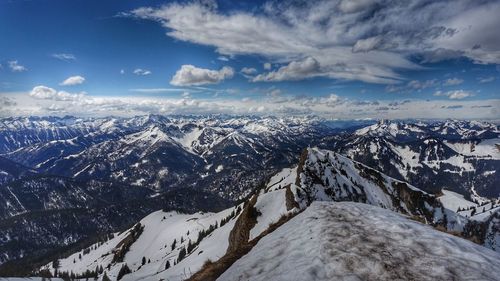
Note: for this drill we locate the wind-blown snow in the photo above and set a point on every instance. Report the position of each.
(352, 241)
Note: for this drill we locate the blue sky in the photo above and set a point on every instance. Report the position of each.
(343, 59)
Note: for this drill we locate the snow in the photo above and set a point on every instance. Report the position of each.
(154, 243)
(452, 200)
(100, 256)
(219, 168)
(187, 139)
(408, 157)
(283, 178)
(272, 206)
(352, 241)
(486, 148)
(458, 161)
(29, 279)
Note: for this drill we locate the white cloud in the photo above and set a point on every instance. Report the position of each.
(486, 79)
(47, 101)
(73, 80)
(190, 75)
(455, 95)
(47, 93)
(248, 70)
(368, 44)
(223, 58)
(142, 72)
(15, 66)
(382, 34)
(64, 56)
(453, 82)
(353, 6)
(267, 66)
(295, 70)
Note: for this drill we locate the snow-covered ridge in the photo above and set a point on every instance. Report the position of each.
(352, 241)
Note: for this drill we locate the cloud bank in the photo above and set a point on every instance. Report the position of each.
(43, 100)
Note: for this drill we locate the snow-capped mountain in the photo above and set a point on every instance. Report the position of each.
(283, 227)
(161, 152)
(456, 155)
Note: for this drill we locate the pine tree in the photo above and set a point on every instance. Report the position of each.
(173, 244)
(167, 265)
(55, 264)
(105, 277)
(124, 270)
(182, 254)
(143, 260)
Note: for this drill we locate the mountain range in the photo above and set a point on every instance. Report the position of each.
(91, 188)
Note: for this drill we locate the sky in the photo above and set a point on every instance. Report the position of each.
(338, 59)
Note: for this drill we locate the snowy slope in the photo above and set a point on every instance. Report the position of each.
(485, 148)
(452, 200)
(160, 229)
(154, 243)
(329, 176)
(351, 241)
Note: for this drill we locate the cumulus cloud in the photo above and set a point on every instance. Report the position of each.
(248, 70)
(455, 95)
(223, 58)
(64, 56)
(47, 93)
(141, 72)
(15, 66)
(371, 40)
(453, 82)
(295, 70)
(190, 75)
(73, 80)
(267, 66)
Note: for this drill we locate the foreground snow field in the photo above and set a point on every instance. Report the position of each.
(352, 241)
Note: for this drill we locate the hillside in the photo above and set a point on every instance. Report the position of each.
(201, 246)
